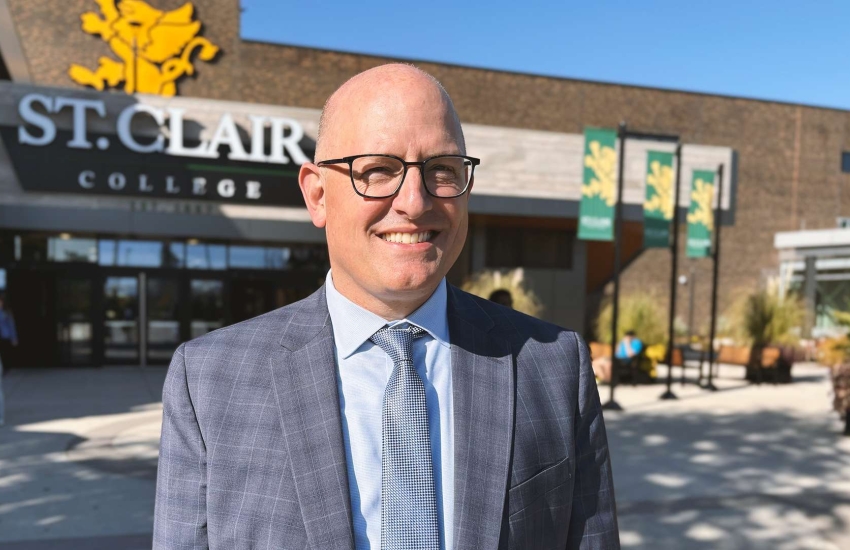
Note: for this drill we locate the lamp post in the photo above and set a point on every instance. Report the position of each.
(674, 260)
(612, 405)
(717, 212)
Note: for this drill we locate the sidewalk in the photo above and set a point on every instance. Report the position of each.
(747, 467)
(78, 458)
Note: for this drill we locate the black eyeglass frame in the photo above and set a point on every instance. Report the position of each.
(421, 164)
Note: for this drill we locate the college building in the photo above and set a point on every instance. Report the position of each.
(149, 160)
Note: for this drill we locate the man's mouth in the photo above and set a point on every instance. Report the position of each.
(408, 238)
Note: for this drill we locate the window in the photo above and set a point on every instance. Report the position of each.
(845, 162)
(139, 253)
(509, 247)
(206, 256)
(67, 249)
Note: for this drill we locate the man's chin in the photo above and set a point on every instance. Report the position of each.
(406, 282)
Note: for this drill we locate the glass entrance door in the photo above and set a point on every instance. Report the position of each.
(163, 321)
(73, 321)
(207, 301)
(121, 320)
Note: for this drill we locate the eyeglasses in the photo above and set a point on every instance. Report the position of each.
(381, 176)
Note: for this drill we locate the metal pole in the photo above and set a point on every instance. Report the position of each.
(142, 319)
(618, 239)
(717, 212)
(692, 282)
(674, 254)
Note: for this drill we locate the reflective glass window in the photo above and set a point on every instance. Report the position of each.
(206, 256)
(72, 250)
(278, 258)
(247, 257)
(139, 253)
(106, 250)
(175, 255)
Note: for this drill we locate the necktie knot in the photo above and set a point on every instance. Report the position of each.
(397, 342)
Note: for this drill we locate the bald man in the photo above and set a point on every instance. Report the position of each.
(389, 410)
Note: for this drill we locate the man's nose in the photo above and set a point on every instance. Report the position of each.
(412, 199)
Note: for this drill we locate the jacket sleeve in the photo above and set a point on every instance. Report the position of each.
(180, 516)
(593, 523)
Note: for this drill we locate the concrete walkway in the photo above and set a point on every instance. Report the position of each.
(747, 467)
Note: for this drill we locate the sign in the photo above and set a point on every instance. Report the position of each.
(154, 47)
(255, 166)
(658, 208)
(598, 188)
(700, 215)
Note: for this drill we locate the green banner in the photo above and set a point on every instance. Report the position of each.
(700, 215)
(658, 207)
(599, 186)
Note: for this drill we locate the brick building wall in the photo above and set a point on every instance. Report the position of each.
(788, 177)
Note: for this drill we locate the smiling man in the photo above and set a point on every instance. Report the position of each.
(389, 410)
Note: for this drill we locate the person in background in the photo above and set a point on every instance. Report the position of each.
(629, 346)
(8, 339)
(502, 297)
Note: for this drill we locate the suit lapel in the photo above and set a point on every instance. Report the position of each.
(483, 393)
(305, 384)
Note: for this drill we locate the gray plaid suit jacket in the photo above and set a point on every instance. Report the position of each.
(252, 451)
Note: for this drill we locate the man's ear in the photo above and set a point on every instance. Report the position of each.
(313, 188)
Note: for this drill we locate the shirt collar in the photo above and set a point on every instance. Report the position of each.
(353, 325)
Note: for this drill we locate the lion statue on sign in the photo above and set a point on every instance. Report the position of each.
(155, 47)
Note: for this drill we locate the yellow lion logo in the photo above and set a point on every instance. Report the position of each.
(155, 47)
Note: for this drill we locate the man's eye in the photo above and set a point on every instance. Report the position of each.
(442, 168)
(377, 170)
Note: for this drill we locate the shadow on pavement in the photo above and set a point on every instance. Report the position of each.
(765, 479)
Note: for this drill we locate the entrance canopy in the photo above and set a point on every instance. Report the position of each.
(817, 264)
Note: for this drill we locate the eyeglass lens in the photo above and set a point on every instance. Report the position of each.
(380, 176)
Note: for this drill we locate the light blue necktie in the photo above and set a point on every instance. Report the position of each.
(408, 500)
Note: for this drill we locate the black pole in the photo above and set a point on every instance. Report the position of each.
(612, 405)
(674, 254)
(717, 212)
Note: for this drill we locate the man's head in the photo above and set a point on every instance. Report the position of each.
(395, 110)
(502, 296)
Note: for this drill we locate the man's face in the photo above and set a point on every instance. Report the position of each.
(413, 123)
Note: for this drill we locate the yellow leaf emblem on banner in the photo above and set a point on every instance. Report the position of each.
(702, 194)
(155, 47)
(660, 178)
(603, 162)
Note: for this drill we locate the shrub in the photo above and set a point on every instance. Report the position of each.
(638, 312)
(482, 284)
(765, 317)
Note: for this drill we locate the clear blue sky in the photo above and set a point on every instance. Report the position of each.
(781, 50)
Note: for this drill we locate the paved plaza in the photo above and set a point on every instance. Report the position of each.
(746, 467)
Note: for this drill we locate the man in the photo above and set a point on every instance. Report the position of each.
(8, 340)
(503, 297)
(629, 346)
(388, 410)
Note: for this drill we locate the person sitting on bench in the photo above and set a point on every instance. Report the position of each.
(629, 346)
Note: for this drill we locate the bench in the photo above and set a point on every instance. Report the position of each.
(627, 370)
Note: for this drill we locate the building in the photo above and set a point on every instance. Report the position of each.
(130, 222)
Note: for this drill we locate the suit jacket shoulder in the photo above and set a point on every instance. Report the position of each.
(230, 365)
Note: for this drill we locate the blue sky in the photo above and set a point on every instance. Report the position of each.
(781, 50)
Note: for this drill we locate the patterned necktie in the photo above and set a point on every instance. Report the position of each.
(408, 500)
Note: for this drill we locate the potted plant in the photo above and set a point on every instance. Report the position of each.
(766, 318)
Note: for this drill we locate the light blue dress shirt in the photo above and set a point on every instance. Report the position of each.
(363, 370)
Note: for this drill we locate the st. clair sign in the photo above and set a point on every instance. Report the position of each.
(255, 164)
